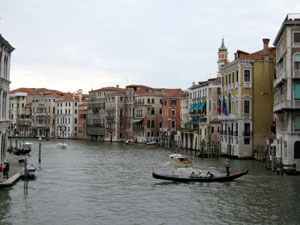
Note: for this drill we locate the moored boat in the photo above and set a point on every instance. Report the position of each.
(30, 172)
(151, 144)
(180, 160)
(178, 178)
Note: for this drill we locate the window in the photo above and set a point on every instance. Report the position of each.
(152, 124)
(297, 62)
(297, 123)
(246, 141)
(297, 91)
(152, 100)
(173, 112)
(232, 77)
(246, 106)
(148, 124)
(173, 102)
(212, 130)
(297, 38)
(173, 124)
(246, 75)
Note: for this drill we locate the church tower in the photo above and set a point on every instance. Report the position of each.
(222, 57)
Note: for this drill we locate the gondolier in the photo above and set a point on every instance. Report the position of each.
(227, 165)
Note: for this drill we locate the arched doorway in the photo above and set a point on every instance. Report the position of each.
(297, 150)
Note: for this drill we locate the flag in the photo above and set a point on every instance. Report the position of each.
(224, 108)
(219, 106)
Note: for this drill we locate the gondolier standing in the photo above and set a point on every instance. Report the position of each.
(227, 165)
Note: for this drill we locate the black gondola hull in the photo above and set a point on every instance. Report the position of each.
(204, 179)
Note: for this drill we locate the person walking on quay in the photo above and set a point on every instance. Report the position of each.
(227, 165)
(1, 173)
(6, 170)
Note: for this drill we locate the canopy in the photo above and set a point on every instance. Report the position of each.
(192, 107)
(137, 120)
(192, 122)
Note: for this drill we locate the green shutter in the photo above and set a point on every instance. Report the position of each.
(297, 91)
(297, 122)
(297, 58)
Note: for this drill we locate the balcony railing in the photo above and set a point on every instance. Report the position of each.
(296, 74)
(247, 133)
(288, 104)
(95, 131)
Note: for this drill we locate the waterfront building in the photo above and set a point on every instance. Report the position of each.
(184, 109)
(17, 105)
(170, 116)
(5, 56)
(83, 112)
(148, 114)
(97, 115)
(199, 131)
(67, 114)
(287, 92)
(247, 101)
(44, 112)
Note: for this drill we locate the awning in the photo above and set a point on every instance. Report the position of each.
(137, 120)
(192, 122)
(202, 105)
(192, 107)
(197, 106)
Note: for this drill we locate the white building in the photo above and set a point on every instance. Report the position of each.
(5, 54)
(287, 92)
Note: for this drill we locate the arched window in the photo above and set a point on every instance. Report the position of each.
(148, 124)
(152, 124)
(297, 150)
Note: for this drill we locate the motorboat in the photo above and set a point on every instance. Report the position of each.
(62, 145)
(180, 160)
(30, 173)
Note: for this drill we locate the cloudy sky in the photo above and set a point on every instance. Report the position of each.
(87, 44)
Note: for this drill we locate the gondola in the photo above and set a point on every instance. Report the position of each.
(177, 178)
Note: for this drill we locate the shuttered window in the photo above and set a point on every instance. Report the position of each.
(297, 123)
(297, 91)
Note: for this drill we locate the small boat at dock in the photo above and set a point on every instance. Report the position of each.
(151, 144)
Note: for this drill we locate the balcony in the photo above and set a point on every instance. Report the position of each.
(138, 129)
(281, 76)
(95, 131)
(247, 85)
(287, 105)
(296, 74)
(247, 133)
(163, 129)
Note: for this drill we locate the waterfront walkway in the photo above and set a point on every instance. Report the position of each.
(14, 171)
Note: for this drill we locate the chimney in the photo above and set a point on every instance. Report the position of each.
(117, 86)
(266, 43)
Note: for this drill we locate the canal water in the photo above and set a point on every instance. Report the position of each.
(111, 183)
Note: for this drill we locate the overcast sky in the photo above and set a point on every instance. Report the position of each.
(87, 44)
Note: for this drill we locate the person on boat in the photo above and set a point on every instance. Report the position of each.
(227, 165)
(6, 168)
(209, 174)
(192, 175)
(199, 174)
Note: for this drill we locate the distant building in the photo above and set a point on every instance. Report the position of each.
(5, 55)
(287, 92)
(83, 112)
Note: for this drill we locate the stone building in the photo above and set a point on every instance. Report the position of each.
(287, 92)
(247, 100)
(5, 55)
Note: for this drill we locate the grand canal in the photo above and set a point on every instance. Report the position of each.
(111, 183)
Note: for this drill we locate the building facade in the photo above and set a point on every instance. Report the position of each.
(247, 100)
(287, 92)
(5, 55)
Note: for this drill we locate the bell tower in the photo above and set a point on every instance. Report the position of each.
(222, 57)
